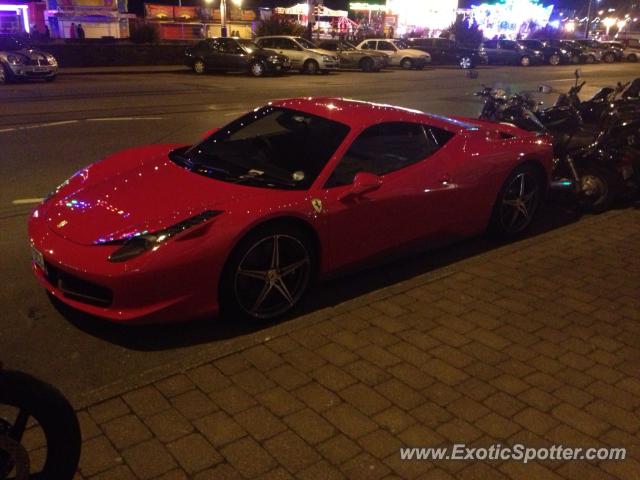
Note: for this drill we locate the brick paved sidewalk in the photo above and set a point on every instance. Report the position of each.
(537, 342)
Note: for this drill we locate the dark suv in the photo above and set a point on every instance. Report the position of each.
(233, 54)
(447, 52)
(510, 52)
(552, 55)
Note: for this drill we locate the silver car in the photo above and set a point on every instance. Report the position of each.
(304, 55)
(19, 61)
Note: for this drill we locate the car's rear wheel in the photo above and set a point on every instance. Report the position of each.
(632, 58)
(554, 59)
(268, 273)
(590, 59)
(367, 65)
(575, 59)
(199, 66)
(466, 63)
(50, 78)
(525, 61)
(257, 69)
(609, 58)
(517, 202)
(406, 63)
(311, 67)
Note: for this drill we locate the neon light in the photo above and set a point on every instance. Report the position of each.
(511, 18)
(17, 9)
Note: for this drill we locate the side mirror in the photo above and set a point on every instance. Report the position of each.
(363, 182)
(545, 89)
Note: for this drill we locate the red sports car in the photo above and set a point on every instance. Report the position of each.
(292, 191)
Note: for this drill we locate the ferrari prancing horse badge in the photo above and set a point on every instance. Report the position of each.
(317, 204)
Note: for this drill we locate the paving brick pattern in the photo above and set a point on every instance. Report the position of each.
(536, 342)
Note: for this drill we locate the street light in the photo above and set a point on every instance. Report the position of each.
(223, 15)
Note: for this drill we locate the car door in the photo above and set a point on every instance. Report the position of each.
(232, 56)
(411, 202)
(209, 50)
(509, 52)
(490, 47)
(291, 49)
(391, 50)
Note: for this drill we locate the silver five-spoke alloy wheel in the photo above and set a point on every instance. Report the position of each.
(519, 203)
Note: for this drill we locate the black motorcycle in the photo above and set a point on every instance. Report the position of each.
(26, 403)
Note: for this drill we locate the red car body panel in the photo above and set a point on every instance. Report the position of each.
(449, 195)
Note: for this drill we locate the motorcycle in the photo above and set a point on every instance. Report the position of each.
(23, 399)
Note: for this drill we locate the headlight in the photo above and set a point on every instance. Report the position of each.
(138, 244)
(15, 59)
(564, 52)
(273, 58)
(327, 58)
(52, 60)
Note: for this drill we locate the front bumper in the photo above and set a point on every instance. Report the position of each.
(329, 65)
(152, 288)
(32, 71)
(277, 67)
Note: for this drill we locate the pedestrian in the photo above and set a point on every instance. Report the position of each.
(47, 34)
(80, 32)
(73, 31)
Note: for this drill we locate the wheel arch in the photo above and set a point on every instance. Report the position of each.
(537, 164)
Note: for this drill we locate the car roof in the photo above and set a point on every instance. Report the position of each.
(357, 113)
(279, 36)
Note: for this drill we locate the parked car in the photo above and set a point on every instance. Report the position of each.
(399, 52)
(509, 52)
(233, 54)
(245, 220)
(575, 53)
(18, 61)
(351, 57)
(552, 55)
(609, 53)
(588, 54)
(630, 54)
(447, 52)
(304, 55)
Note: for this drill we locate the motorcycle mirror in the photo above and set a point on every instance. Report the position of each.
(471, 73)
(545, 89)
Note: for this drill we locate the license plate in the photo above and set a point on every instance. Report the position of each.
(38, 259)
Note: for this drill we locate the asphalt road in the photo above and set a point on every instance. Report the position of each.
(48, 131)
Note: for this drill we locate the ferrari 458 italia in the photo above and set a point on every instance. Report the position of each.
(248, 218)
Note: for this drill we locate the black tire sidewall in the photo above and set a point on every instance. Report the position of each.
(56, 418)
(309, 69)
(229, 305)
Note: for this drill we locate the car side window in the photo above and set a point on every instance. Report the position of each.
(491, 44)
(288, 44)
(213, 44)
(508, 45)
(387, 147)
(370, 45)
(265, 43)
(386, 46)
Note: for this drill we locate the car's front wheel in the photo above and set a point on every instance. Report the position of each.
(5, 76)
(554, 59)
(632, 57)
(406, 63)
(257, 69)
(367, 65)
(199, 66)
(50, 78)
(466, 63)
(591, 59)
(267, 274)
(517, 202)
(525, 61)
(609, 58)
(311, 67)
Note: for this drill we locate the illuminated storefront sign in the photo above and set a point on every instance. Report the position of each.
(21, 11)
(510, 18)
(435, 15)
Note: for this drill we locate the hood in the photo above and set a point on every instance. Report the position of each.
(417, 53)
(153, 194)
(30, 53)
(321, 51)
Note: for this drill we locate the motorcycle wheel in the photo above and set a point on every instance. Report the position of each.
(596, 190)
(34, 398)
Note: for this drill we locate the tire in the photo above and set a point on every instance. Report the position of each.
(54, 414)
(632, 57)
(554, 60)
(199, 67)
(517, 202)
(367, 65)
(575, 59)
(590, 59)
(525, 61)
(597, 190)
(5, 75)
(466, 63)
(406, 63)
(311, 67)
(256, 69)
(255, 285)
(609, 58)
(50, 79)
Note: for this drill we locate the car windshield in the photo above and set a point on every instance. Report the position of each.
(346, 46)
(401, 44)
(9, 43)
(270, 147)
(248, 45)
(305, 43)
